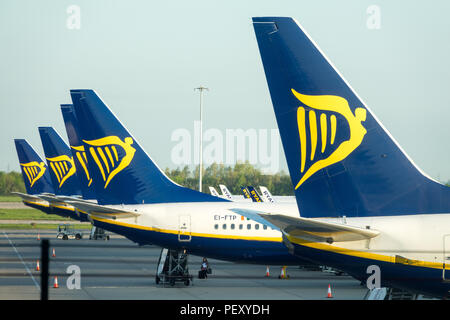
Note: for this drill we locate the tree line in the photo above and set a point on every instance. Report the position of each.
(11, 182)
(241, 174)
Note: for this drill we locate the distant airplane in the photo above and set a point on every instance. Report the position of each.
(62, 171)
(246, 193)
(78, 152)
(254, 194)
(381, 217)
(266, 195)
(214, 192)
(37, 181)
(225, 192)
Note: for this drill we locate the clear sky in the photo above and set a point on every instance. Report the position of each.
(146, 57)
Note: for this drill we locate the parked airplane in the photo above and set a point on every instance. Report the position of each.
(80, 161)
(225, 191)
(246, 193)
(136, 199)
(266, 195)
(63, 172)
(37, 181)
(214, 192)
(78, 152)
(254, 194)
(348, 172)
(226, 194)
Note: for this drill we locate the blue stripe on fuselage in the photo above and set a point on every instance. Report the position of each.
(411, 278)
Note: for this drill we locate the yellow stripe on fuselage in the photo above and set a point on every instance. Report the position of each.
(36, 203)
(364, 254)
(193, 234)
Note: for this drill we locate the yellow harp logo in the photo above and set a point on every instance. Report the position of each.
(335, 104)
(106, 155)
(63, 168)
(80, 154)
(34, 171)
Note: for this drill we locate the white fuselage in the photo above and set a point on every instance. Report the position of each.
(207, 218)
(415, 237)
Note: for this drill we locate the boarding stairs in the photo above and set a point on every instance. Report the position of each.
(173, 267)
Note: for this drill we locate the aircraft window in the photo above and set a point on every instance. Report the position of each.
(240, 227)
(264, 227)
(216, 226)
(249, 226)
(224, 226)
(256, 226)
(232, 226)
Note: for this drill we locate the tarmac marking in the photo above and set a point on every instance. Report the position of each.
(20, 257)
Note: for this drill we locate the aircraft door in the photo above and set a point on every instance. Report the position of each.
(446, 258)
(184, 228)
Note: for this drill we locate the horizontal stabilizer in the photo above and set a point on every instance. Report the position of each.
(310, 229)
(27, 197)
(52, 199)
(65, 198)
(101, 211)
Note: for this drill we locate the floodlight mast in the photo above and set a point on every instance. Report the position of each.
(201, 89)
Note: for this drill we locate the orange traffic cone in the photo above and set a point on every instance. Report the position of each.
(267, 272)
(283, 273)
(55, 283)
(329, 295)
(53, 253)
(37, 266)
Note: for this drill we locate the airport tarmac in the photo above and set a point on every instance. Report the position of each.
(121, 270)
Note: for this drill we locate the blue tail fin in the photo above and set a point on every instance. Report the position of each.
(60, 161)
(254, 194)
(34, 171)
(78, 152)
(122, 172)
(342, 161)
(246, 193)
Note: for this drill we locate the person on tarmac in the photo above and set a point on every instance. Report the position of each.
(204, 269)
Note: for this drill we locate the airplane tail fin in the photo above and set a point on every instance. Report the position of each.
(60, 161)
(225, 191)
(34, 171)
(246, 193)
(78, 152)
(341, 159)
(214, 192)
(121, 170)
(265, 194)
(254, 194)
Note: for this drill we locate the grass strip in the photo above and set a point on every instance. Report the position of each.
(10, 199)
(37, 226)
(28, 214)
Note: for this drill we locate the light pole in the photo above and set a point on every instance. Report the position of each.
(201, 89)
